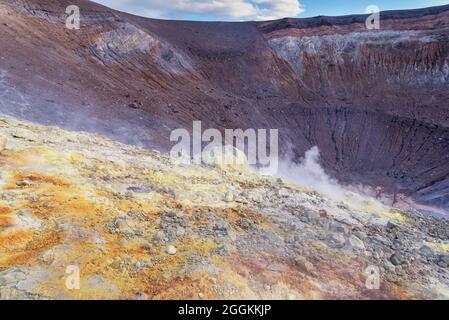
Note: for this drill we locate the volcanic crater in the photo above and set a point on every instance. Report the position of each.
(375, 102)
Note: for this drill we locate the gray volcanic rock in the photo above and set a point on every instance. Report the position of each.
(374, 102)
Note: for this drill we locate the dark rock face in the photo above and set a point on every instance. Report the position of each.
(375, 102)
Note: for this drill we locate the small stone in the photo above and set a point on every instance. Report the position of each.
(166, 276)
(426, 251)
(338, 227)
(397, 244)
(171, 250)
(148, 246)
(160, 236)
(443, 261)
(122, 242)
(336, 240)
(201, 295)
(291, 296)
(23, 183)
(360, 234)
(356, 243)
(123, 226)
(378, 254)
(323, 214)
(229, 197)
(304, 218)
(343, 206)
(221, 226)
(392, 227)
(304, 265)
(245, 224)
(48, 257)
(388, 266)
(254, 197)
(400, 271)
(397, 259)
(283, 193)
(170, 214)
(180, 232)
(142, 297)
(220, 251)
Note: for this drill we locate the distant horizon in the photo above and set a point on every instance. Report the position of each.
(258, 10)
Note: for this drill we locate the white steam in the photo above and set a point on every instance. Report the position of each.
(309, 173)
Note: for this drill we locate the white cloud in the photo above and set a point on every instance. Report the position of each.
(219, 9)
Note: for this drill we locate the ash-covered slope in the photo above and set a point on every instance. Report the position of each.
(375, 102)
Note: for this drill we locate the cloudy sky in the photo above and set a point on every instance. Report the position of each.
(236, 10)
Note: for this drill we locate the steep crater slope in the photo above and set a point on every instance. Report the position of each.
(379, 106)
(375, 102)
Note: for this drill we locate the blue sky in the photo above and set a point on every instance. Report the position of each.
(338, 7)
(238, 10)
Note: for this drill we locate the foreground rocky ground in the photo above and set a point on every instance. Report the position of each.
(375, 102)
(139, 227)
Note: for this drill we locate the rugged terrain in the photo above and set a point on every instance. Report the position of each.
(80, 111)
(140, 227)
